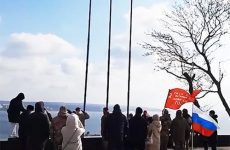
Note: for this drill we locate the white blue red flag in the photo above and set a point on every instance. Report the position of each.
(203, 123)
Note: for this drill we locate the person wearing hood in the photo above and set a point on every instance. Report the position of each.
(14, 110)
(117, 129)
(154, 130)
(56, 125)
(38, 128)
(71, 133)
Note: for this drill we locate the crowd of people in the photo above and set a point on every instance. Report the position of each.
(37, 129)
(144, 132)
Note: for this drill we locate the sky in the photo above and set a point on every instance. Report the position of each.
(43, 51)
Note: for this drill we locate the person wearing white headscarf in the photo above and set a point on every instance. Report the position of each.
(72, 133)
(154, 132)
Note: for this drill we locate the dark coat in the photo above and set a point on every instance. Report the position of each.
(117, 129)
(38, 128)
(104, 126)
(137, 131)
(178, 129)
(166, 123)
(23, 124)
(15, 109)
(188, 118)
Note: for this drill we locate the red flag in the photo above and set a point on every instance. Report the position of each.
(177, 97)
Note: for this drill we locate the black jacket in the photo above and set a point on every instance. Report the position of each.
(38, 128)
(137, 130)
(23, 124)
(14, 109)
(117, 127)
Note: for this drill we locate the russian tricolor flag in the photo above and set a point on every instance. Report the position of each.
(203, 123)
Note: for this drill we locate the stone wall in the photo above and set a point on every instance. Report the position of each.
(94, 143)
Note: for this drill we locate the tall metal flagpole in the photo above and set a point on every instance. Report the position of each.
(87, 55)
(130, 47)
(109, 43)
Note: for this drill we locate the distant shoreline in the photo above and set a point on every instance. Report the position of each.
(54, 106)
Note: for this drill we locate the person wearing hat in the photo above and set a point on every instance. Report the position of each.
(56, 125)
(14, 110)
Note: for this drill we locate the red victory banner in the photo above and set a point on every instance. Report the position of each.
(177, 97)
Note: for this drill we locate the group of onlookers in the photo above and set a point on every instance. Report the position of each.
(37, 129)
(67, 128)
(119, 132)
(145, 132)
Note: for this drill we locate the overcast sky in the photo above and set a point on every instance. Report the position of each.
(43, 50)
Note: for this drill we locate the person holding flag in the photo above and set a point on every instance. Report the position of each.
(179, 127)
(206, 125)
(213, 137)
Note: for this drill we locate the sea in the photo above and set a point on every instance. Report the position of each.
(93, 124)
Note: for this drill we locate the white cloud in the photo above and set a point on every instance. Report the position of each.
(44, 66)
(144, 20)
(26, 44)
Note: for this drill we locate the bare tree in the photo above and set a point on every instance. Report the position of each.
(186, 48)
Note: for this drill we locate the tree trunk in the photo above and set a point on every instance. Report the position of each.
(190, 79)
(223, 100)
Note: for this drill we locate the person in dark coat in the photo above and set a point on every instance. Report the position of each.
(178, 129)
(212, 140)
(145, 115)
(117, 129)
(104, 128)
(14, 110)
(23, 124)
(38, 128)
(166, 123)
(188, 118)
(137, 132)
